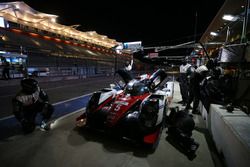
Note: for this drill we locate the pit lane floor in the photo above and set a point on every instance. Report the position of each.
(57, 90)
(65, 145)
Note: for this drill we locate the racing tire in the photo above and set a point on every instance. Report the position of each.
(152, 147)
(163, 125)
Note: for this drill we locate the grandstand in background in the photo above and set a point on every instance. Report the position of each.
(35, 40)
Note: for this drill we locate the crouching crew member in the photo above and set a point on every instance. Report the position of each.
(30, 100)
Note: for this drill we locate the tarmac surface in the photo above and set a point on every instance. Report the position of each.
(66, 146)
(58, 90)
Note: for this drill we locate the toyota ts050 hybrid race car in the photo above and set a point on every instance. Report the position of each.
(136, 110)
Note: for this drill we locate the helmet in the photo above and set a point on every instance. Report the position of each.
(29, 85)
(210, 64)
(217, 71)
(127, 63)
(184, 62)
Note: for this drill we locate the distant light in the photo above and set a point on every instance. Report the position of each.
(53, 20)
(118, 52)
(17, 6)
(230, 18)
(34, 34)
(214, 34)
(46, 37)
(2, 22)
(119, 47)
(16, 30)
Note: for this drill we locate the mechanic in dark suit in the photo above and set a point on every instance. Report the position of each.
(30, 100)
(199, 74)
(6, 70)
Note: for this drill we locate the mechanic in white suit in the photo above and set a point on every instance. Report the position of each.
(183, 81)
(129, 65)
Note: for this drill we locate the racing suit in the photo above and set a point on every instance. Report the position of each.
(26, 106)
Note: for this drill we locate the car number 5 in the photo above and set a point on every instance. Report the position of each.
(117, 108)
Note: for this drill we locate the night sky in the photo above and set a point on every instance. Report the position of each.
(153, 22)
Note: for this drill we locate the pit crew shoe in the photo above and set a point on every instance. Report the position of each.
(44, 126)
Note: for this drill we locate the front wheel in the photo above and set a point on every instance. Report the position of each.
(154, 145)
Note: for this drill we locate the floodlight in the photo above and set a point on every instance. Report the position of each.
(230, 17)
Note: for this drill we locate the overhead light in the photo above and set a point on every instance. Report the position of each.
(230, 18)
(214, 34)
(53, 20)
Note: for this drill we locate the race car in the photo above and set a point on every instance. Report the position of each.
(135, 110)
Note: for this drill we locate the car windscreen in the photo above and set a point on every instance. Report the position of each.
(136, 88)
